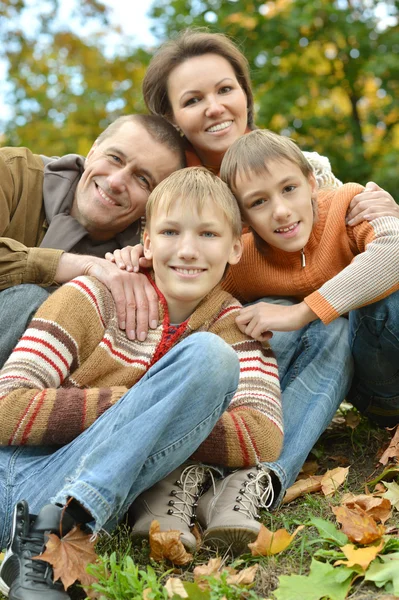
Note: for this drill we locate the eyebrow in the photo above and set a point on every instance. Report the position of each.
(197, 91)
(143, 171)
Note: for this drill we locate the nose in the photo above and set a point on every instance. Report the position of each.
(117, 180)
(188, 247)
(281, 210)
(214, 108)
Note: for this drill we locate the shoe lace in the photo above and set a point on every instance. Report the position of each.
(37, 569)
(257, 492)
(190, 486)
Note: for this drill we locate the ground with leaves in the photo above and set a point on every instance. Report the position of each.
(333, 554)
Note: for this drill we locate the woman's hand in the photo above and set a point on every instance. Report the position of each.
(130, 258)
(371, 203)
(258, 320)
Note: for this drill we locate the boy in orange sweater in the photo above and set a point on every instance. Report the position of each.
(301, 246)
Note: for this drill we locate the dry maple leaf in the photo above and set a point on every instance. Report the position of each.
(244, 577)
(269, 542)
(167, 544)
(302, 487)
(358, 525)
(332, 479)
(69, 556)
(374, 506)
(352, 419)
(393, 449)
(212, 568)
(174, 586)
(359, 556)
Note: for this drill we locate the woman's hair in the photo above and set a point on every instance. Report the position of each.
(191, 43)
(194, 188)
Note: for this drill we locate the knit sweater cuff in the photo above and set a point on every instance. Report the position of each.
(321, 308)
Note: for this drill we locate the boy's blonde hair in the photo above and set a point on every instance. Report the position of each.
(252, 152)
(195, 188)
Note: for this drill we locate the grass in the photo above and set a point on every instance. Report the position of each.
(359, 448)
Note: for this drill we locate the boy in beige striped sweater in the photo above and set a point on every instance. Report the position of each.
(89, 419)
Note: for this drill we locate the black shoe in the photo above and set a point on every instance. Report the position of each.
(22, 578)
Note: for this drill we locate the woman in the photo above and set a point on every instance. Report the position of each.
(200, 82)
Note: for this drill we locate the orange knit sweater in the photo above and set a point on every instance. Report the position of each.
(346, 267)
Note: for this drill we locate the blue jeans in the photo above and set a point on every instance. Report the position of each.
(152, 430)
(315, 368)
(18, 304)
(374, 339)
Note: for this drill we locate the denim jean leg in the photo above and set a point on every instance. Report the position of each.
(18, 304)
(315, 369)
(374, 339)
(153, 429)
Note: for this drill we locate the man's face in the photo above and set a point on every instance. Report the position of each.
(189, 252)
(120, 173)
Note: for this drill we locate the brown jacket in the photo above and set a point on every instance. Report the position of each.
(36, 194)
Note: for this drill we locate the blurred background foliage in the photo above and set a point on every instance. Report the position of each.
(324, 72)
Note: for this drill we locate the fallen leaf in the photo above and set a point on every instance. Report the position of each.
(269, 542)
(332, 479)
(174, 586)
(328, 531)
(1, 556)
(211, 568)
(147, 594)
(359, 556)
(167, 544)
(352, 419)
(393, 449)
(323, 581)
(302, 487)
(374, 506)
(385, 572)
(309, 468)
(244, 577)
(69, 556)
(343, 460)
(358, 525)
(392, 494)
(391, 472)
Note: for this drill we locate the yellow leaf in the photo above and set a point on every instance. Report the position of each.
(167, 544)
(303, 486)
(378, 508)
(333, 479)
(244, 577)
(359, 556)
(269, 542)
(393, 449)
(211, 568)
(358, 525)
(174, 586)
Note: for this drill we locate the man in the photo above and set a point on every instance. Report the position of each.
(59, 216)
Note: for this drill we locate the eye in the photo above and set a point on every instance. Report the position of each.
(289, 188)
(191, 101)
(225, 89)
(208, 234)
(257, 202)
(115, 158)
(169, 232)
(145, 181)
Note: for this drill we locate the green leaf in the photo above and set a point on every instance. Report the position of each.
(194, 592)
(323, 581)
(385, 572)
(392, 494)
(328, 531)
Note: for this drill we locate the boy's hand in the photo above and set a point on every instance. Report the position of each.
(130, 258)
(258, 320)
(135, 299)
(371, 203)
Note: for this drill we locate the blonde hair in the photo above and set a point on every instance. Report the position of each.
(195, 188)
(191, 43)
(252, 152)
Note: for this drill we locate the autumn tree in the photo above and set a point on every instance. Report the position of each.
(64, 86)
(324, 72)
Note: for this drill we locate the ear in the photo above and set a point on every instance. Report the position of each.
(147, 245)
(236, 252)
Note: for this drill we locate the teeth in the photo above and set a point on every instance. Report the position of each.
(285, 229)
(189, 271)
(220, 126)
(104, 195)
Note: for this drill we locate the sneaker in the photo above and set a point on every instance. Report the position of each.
(229, 513)
(22, 578)
(172, 501)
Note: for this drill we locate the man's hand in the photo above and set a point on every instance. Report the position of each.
(371, 203)
(259, 320)
(135, 299)
(130, 258)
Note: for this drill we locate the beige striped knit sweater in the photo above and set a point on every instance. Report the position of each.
(73, 363)
(346, 267)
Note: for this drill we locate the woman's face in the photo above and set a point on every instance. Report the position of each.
(208, 104)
